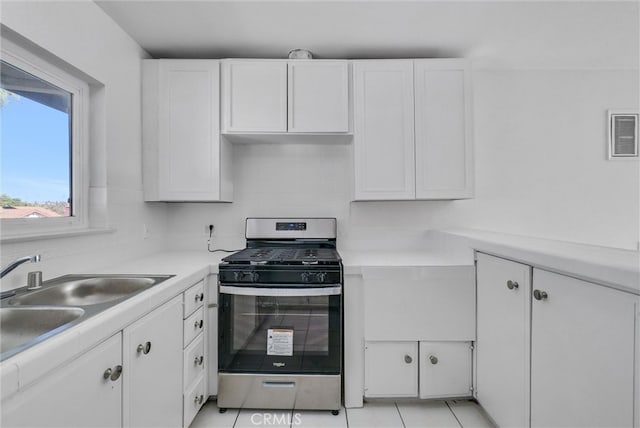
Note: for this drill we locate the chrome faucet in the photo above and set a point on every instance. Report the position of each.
(14, 264)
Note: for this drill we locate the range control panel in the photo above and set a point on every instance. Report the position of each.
(291, 226)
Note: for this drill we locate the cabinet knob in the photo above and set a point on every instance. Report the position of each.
(198, 324)
(198, 360)
(512, 285)
(199, 297)
(408, 359)
(198, 399)
(116, 373)
(433, 359)
(145, 349)
(112, 374)
(540, 295)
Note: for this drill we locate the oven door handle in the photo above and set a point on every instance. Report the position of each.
(285, 292)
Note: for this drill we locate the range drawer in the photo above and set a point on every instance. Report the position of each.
(194, 360)
(193, 326)
(193, 299)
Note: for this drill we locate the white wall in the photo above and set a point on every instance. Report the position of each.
(542, 165)
(541, 170)
(79, 33)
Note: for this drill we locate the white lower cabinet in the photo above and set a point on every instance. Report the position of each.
(87, 392)
(502, 346)
(553, 350)
(194, 386)
(582, 353)
(417, 369)
(445, 369)
(411, 314)
(391, 369)
(146, 375)
(152, 354)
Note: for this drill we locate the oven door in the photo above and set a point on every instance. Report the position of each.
(280, 330)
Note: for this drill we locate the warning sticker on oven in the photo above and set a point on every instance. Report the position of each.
(280, 341)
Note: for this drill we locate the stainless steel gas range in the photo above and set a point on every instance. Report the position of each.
(280, 317)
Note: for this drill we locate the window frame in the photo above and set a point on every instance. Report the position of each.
(44, 69)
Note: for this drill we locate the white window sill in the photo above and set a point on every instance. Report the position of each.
(26, 237)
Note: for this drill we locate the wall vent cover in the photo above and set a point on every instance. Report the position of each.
(623, 135)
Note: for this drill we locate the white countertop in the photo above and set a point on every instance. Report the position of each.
(355, 262)
(613, 267)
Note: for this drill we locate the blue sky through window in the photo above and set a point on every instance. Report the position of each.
(34, 157)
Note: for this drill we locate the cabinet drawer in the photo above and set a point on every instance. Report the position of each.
(193, 360)
(193, 298)
(194, 398)
(445, 369)
(193, 326)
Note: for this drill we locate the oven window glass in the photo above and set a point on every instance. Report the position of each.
(280, 334)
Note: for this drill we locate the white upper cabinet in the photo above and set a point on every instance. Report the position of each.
(184, 156)
(412, 129)
(318, 96)
(255, 96)
(383, 130)
(279, 96)
(444, 154)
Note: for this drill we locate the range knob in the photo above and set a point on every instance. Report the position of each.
(315, 277)
(246, 276)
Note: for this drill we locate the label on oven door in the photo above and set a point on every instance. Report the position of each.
(280, 341)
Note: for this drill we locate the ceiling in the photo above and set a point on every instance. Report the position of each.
(528, 34)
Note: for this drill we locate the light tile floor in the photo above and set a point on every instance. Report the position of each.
(378, 414)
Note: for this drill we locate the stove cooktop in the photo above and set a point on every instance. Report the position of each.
(284, 256)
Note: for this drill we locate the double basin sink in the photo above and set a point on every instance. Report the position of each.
(33, 315)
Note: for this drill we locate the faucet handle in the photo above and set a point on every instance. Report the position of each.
(34, 280)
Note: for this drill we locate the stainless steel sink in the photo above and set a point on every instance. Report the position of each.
(23, 327)
(86, 290)
(32, 316)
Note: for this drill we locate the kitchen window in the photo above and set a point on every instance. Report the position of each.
(43, 145)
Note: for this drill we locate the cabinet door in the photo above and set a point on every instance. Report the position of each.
(318, 96)
(383, 130)
(183, 153)
(444, 154)
(445, 369)
(77, 395)
(502, 347)
(254, 96)
(391, 369)
(152, 354)
(582, 353)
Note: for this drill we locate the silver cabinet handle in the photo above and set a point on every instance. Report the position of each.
(408, 359)
(512, 285)
(198, 399)
(145, 349)
(113, 374)
(199, 297)
(540, 295)
(116, 373)
(198, 324)
(197, 361)
(433, 359)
